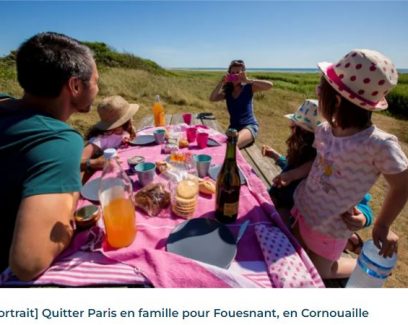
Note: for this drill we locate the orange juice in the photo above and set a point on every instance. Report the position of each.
(119, 219)
(158, 114)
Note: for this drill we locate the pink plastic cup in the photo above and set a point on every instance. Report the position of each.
(191, 134)
(202, 139)
(187, 117)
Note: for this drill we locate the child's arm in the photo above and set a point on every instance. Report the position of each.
(394, 202)
(87, 162)
(268, 151)
(285, 178)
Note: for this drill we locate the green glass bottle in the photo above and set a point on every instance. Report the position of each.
(228, 183)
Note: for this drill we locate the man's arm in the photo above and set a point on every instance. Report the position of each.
(43, 230)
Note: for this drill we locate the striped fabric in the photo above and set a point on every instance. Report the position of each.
(82, 269)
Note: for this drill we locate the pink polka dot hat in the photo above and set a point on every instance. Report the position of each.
(364, 77)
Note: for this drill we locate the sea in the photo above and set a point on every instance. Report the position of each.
(285, 70)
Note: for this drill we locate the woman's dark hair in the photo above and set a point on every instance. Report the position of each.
(94, 131)
(300, 147)
(46, 61)
(228, 87)
(346, 115)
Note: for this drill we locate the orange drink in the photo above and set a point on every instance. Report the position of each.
(119, 219)
(158, 113)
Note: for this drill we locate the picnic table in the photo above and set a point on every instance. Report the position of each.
(268, 255)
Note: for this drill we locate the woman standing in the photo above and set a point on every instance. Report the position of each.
(238, 92)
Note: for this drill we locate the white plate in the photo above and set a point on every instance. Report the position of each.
(215, 170)
(143, 140)
(90, 190)
(212, 143)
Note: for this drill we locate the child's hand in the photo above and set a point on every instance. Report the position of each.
(266, 151)
(125, 142)
(284, 179)
(354, 219)
(98, 163)
(385, 239)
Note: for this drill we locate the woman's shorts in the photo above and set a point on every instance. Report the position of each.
(253, 128)
(321, 244)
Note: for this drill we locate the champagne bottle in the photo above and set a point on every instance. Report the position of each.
(228, 183)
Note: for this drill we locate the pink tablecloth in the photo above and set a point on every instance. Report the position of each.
(146, 261)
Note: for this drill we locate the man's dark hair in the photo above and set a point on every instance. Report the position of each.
(46, 61)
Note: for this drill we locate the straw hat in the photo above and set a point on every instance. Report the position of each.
(363, 77)
(115, 111)
(306, 116)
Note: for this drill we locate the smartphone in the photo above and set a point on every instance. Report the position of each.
(232, 77)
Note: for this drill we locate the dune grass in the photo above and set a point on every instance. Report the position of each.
(183, 91)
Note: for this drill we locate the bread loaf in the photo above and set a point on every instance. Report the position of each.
(206, 186)
(152, 198)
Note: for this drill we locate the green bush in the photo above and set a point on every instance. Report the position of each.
(398, 101)
(398, 98)
(105, 56)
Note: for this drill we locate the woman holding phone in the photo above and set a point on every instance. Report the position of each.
(238, 92)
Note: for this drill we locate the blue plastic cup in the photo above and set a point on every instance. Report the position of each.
(145, 172)
(159, 135)
(202, 164)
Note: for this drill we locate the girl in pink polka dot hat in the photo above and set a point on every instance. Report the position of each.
(351, 155)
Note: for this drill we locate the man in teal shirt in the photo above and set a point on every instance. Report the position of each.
(40, 154)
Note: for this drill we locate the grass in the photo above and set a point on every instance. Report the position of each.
(183, 91)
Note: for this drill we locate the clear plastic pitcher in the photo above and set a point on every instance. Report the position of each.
(372, 269)
(116, 198)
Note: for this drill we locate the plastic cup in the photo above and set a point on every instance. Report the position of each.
(145, 172)
(202, 139)
(133, 162)
(159, 135)
(191, 134)
(187, 117)
(202, 164)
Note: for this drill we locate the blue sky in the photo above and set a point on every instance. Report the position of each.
(292, 34)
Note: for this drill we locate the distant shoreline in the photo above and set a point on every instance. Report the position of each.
(286, 70)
